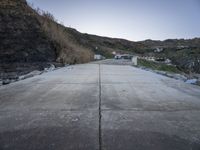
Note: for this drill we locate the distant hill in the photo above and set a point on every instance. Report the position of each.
(31, 39)
(185, 53)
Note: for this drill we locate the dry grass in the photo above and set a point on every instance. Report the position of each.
(68, 51)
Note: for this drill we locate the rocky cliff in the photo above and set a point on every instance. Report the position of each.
(21, 36)
(30, 41)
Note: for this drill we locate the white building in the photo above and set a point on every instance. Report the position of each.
(158, 50)
(98, 57)
(134, 60)
(123, 56)
(168, 61)
(114, 53)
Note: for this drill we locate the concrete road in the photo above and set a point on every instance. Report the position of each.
(99, 107)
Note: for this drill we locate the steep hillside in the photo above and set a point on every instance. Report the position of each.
(106, 45)
(31, 41)
(21, 37)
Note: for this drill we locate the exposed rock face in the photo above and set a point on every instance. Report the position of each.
(31, 41)
(24, 47)
(21, 37)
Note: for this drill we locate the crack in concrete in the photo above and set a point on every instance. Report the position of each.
(100, 115)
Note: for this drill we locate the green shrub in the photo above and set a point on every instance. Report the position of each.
(158, 66)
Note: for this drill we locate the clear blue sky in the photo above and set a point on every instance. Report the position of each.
(130, 19)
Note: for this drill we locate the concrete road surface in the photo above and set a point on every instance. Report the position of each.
(99, 107)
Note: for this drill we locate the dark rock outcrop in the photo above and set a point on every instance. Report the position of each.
(24, 47)
(21, 37)
(31, 41)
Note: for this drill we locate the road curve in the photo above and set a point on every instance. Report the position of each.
(99, 107)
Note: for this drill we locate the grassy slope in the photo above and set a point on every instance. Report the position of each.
(183, 58)
(158, 66)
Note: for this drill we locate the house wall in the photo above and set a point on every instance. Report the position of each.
(134, 60)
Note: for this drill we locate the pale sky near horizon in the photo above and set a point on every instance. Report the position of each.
(134, 20)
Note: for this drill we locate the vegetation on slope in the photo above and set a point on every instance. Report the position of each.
(30, 40)
(158, 66)
(188, 59)
(68, 50)
(183, 53)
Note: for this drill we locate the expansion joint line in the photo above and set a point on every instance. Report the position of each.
(100, 115)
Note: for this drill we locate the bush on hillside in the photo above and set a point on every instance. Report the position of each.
(67, 50)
